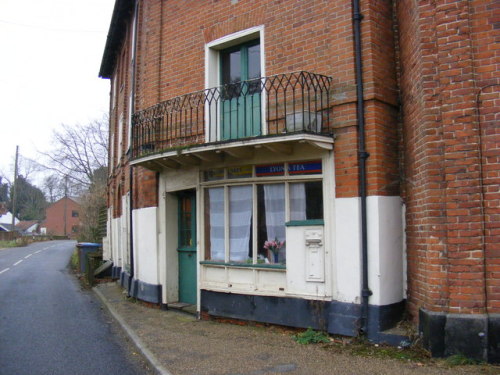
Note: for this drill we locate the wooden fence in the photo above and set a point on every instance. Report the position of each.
(8, 236)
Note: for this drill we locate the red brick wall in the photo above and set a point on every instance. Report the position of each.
(299, 35)
(448, 61)
(56, 221)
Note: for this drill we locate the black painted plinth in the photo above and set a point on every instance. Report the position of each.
(474, 336)
(139, 289)
(330, 316)
(145, 292)
(116, 272)
(125, 280)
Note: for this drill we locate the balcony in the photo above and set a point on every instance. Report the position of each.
(268, 111)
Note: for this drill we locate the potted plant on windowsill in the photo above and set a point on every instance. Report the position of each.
(274, 247)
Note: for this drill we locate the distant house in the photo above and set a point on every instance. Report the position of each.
(62, 218)
(29, 227)
(6, 215)
(4, 227)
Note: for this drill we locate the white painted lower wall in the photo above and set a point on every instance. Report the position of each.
(116, 242)
(385, 246)
(347, 263)
(145, 245)
(385, 250)
(107, 240)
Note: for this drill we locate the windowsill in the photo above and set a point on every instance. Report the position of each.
(304, 223)
(244, 265)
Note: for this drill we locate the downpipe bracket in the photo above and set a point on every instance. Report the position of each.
(366, 293)
(364, 155)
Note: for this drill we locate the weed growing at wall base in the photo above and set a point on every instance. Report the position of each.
(311, 336)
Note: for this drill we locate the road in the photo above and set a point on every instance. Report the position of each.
(50, 325)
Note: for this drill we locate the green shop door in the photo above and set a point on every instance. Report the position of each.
(187, 247)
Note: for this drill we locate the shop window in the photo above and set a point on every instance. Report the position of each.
(245, 221)
(271, 223)
(215, 223)
(306, 201)
(240, 222)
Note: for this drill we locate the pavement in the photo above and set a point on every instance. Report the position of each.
(176, 343)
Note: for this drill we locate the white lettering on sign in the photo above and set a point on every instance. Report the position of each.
(297, 167)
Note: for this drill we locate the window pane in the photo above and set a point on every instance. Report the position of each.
(231, 67)
(254, 61)
(306, 200)
(240, 172)
(185, 222)
(215, 223)
(271, 223)
(240, 222)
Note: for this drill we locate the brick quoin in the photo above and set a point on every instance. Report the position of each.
(449, 90)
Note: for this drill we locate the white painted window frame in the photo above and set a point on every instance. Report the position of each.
(132, 77)
(212, 72)
(120, 139)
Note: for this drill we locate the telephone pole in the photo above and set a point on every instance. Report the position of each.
(65, 203)
(14, 190)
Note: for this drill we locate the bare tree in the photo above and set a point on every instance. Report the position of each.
(78, 151)
(93, 202)
(79, 159)
(27, 167)
(53, 187)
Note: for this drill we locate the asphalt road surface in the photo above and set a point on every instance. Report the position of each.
(50, 325)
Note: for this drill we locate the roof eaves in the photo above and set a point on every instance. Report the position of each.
(116, 34)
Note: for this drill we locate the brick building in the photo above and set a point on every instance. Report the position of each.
(62, 218)
(334, 159)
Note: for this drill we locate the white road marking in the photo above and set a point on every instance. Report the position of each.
(36, 252)
(5, 270)
(19, 261)
(27, 256)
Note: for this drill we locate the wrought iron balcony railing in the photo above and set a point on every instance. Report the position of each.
(268, 106)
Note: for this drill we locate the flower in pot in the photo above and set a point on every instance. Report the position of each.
(274, 247)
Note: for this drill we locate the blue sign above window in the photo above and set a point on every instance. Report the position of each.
(306, 167)
(269, 170)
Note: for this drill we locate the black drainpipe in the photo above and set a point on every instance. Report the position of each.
(362, 156)
(130, 166)
(131, 228)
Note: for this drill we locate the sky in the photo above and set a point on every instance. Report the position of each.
(50, 55)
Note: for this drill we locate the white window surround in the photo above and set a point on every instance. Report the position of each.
(111, 152)
(132, 77)
(113, 90)
(212, 64)
(120, 139)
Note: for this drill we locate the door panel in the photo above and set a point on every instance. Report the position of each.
(187, 247)
(241, 100)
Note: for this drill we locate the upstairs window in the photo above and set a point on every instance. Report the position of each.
(241, 100)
